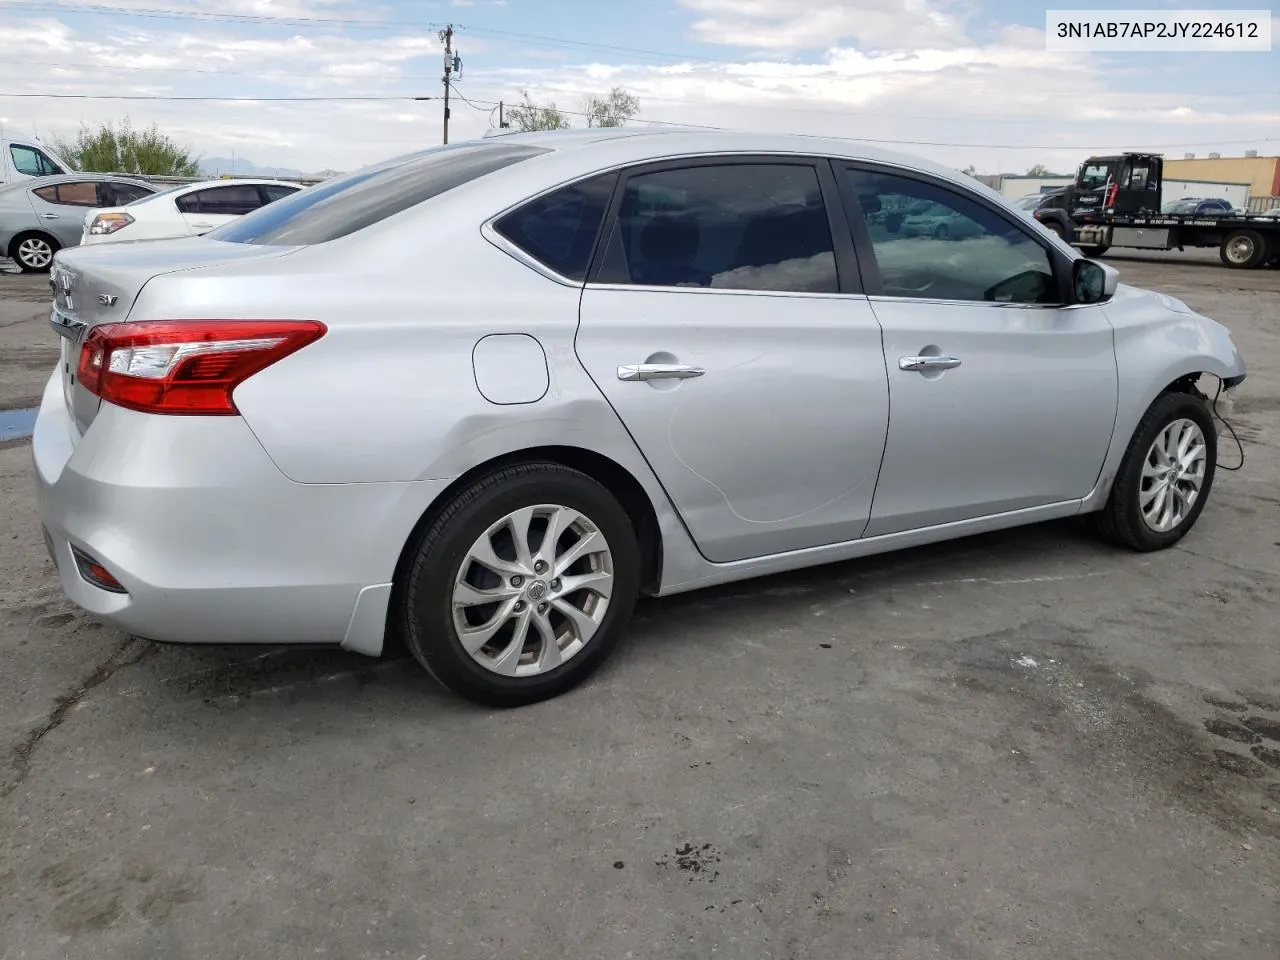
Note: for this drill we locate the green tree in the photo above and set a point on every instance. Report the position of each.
(1039, 170)
(612, 110)
(528, 115)
(121, 149)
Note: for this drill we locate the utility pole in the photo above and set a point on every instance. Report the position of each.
(446, 36)
(501, 125)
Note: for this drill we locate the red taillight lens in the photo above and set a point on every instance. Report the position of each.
(185, 366)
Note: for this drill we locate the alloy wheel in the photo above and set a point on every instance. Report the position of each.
(35, 253)
(1172, 475)
(532, 590)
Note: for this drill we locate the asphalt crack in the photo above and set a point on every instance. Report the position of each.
(126, 655)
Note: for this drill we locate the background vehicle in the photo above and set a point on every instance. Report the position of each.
(24, 159)
(189, 210)
(570, 368)
(1201, 207)
(38, 217)
(1116, 201)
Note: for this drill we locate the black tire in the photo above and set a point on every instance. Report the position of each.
(1095, 251)
(1121, 520)
(941, 232)
(1243, 249)
(19, 255)
(427, 609)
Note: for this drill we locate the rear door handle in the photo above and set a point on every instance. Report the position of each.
(49, 216)
(658, 371)
(203, 226)
(921, 364)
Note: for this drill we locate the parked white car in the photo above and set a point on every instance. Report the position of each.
(186, 211)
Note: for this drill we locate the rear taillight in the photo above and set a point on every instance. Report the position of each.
(185, 366)
(109, 223)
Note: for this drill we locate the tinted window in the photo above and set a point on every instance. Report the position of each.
(936, 244)
(118, 194)
(751, 226)
(273, 192)
(560, 229)
(80, 194)
(226, 201)
(32, 162)
(346, 204)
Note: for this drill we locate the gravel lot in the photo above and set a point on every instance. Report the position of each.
(1025, 745)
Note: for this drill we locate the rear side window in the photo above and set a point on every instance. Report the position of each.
(559, 229)
(743, 226)
(80, 194)
(231, 201)
(346, 204)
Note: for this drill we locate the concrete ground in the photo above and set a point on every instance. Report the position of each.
(1026, 745)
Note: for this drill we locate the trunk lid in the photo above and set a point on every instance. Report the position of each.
(100, 284)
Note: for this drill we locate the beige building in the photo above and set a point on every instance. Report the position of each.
(1261, 173)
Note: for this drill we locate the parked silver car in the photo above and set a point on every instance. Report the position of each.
(481, 397)
(40, 216)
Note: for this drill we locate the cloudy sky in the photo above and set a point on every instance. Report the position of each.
(961, 81)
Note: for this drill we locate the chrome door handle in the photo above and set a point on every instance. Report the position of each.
(927, 363)
(49, 216)
(658, 371)
(203, 226)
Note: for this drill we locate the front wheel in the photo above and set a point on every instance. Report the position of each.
(522, 586)
(1096, 250)
(33, 252)
(1165, 476)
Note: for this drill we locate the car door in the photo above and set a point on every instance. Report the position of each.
(1001, 397)
(206, 209)
(725, 323)
(116, 193)
(60, 208)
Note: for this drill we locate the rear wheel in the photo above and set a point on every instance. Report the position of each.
(1165, 476)
(1243, 249)
(33, 252)
(523, 586)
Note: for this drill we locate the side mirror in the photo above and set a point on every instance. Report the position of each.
(1093, 282)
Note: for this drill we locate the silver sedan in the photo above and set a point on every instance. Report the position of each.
(480, 398)
(39, 217)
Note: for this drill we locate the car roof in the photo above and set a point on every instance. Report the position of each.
(639, 144)
(33, 182)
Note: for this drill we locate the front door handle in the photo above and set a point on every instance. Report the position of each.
(921, 364)
(658, 371)
(49, 216)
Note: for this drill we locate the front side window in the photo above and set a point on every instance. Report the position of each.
(118, 194)
(743, 226)
(344, 205)
(273, 192)
(559, 230)
(33, 163)
(1095, 175)
(934, 243)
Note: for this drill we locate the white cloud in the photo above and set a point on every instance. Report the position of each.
(893, 70)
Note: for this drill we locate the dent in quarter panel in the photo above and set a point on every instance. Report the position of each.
(510, 368)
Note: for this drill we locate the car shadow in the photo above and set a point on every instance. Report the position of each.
(227, 676)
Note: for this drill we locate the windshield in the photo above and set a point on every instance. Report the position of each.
(343, 205)
(1029, 203)
(1181, 206)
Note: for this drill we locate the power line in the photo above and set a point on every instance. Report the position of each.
(152, 96)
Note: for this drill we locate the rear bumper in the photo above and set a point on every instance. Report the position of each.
(211, 543)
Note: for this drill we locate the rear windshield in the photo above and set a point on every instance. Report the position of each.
(352, 202)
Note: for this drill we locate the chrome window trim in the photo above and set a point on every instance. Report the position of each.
(939, 301)
(739, 291)
(490, 233)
